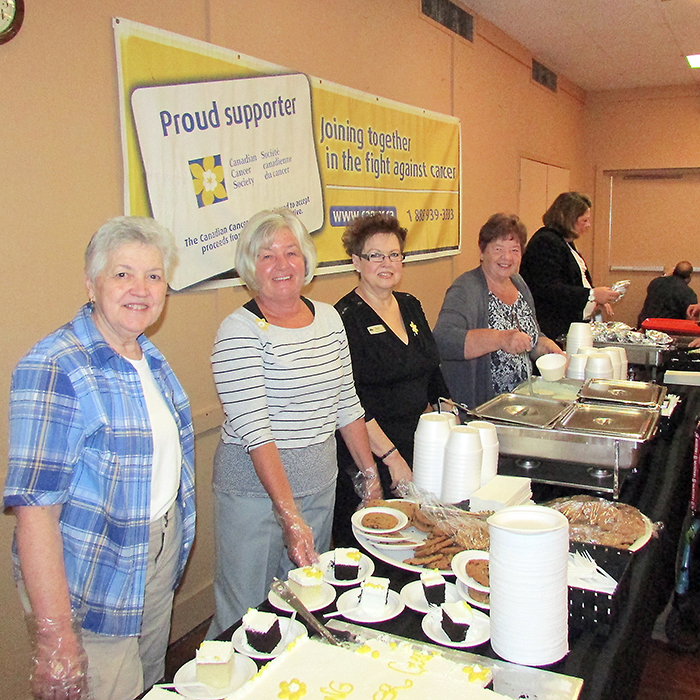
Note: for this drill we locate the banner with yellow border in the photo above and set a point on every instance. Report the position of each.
(205, 146)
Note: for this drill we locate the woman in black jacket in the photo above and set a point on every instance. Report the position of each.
(556, 273)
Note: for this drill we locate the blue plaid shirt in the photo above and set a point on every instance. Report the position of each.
(80, 436)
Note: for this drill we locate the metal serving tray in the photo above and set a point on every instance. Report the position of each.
(533, 411)
(623, 392)
(637, 423)
(640, 354)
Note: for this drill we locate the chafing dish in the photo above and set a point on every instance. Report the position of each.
(623, 392)
(534, 411)
(640, 353)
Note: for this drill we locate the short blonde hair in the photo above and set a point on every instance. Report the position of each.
(259, 232)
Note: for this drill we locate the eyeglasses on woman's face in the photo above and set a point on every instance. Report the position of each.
(380, 257)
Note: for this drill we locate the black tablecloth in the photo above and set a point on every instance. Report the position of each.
(611, 666)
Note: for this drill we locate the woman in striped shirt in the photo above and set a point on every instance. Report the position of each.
(282, 369)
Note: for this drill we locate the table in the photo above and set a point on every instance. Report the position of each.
(610, 666)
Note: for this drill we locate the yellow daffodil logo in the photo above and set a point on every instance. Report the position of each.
(414, 328)
(208, 180)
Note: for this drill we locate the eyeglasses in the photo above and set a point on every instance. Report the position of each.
(380, 257)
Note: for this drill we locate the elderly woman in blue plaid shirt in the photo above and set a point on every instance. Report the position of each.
(101, 478)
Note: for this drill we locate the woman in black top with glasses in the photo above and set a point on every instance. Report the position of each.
(395, 361)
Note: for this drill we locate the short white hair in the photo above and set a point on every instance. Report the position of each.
(259, 232)
(128, 229)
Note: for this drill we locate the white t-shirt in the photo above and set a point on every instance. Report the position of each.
(167, 454)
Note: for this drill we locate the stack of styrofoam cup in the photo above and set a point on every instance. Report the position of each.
(461, 474)
(616, 361)
(489, 446)
(580, 335)
(528, 576)
(599, 366)
(623, 362)
(429, 442)
(577, 366)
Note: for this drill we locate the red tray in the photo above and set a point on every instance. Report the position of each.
(672, 326)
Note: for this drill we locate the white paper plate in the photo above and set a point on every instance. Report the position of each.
(648, 530)
(186, 678)
(327, 597)
(393, 557)
(290, 629)
(413, 596)
(401, 519)
(459, 567)
(348, 601)
(478, 632)
(325, 562)
(463, 591)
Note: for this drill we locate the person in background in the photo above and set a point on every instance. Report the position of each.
(669, 296)
(282, 369)
(487, 331)
(556, 273)
(395, 361)
(101, 478)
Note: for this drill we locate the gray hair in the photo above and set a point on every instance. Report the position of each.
(128, 229)
(259, 232)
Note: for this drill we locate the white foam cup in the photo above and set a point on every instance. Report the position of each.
(576, 368)
(599, 366)
(551, 366)
(463, 439)
(434, 427)
(616, 363)
(487, 431)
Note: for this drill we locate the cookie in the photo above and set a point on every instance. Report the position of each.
(478, 569)
(379, 521)
(478, 596)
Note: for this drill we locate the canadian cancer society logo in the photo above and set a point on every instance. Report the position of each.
(208, 180)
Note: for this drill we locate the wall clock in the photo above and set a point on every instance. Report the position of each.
(11, 16)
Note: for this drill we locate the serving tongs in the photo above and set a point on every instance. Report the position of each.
(288, 596)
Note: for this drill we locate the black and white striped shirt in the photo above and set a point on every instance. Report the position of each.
(293, 386)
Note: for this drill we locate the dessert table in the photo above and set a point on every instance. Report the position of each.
(610, 665)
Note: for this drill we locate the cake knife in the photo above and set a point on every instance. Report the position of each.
(288, 596)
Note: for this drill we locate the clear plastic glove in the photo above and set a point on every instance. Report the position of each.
(59, 663)
(298, 537)
(368, 487)
(398, 469)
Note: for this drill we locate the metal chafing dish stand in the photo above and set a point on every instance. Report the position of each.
(592, 443)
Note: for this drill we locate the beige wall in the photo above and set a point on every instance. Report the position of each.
(638, 130)
(62, 177)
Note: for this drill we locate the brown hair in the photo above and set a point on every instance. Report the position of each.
(502, 226)
(363, 228)
(565, 211)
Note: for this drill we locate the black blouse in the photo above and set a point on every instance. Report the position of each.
(395, 381)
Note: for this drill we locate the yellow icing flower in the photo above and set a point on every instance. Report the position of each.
(476, 673)
(364, 649)
(292, 690)
(355, 556)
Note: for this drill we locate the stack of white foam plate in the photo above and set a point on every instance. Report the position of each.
(528, 576)
(429, 442)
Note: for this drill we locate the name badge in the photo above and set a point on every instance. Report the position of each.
(373, 330)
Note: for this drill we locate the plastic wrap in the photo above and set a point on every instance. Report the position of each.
(59, 662)
(598, 521)
(622, 286)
